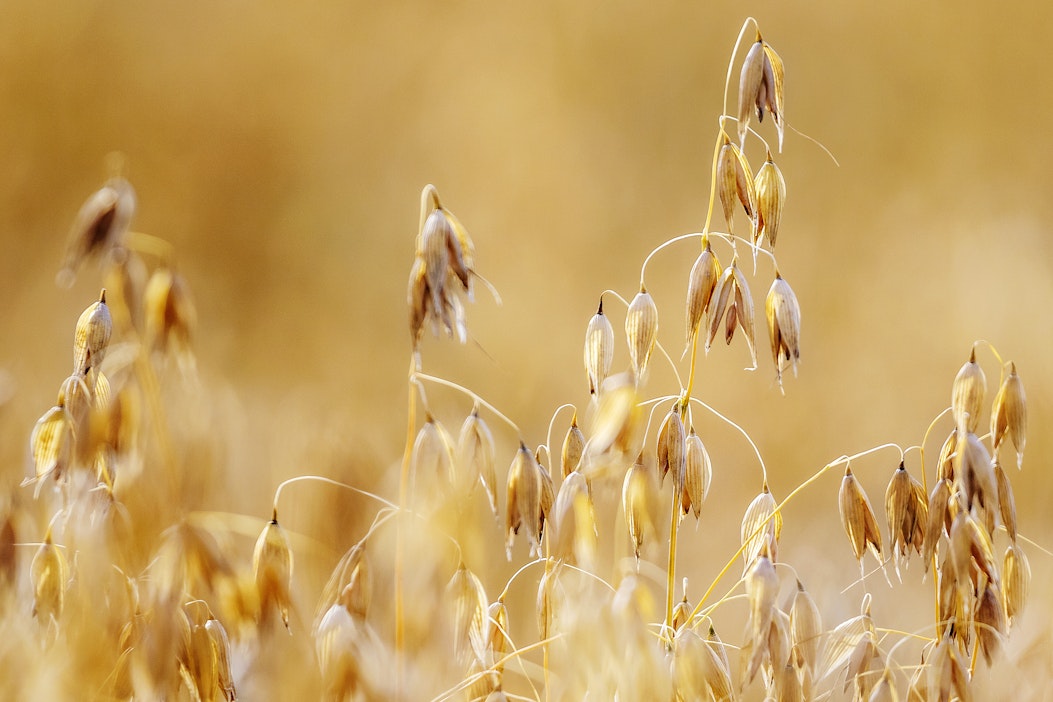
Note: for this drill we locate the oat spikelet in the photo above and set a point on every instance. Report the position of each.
(100, 227)
(432, 455)
(51, 443)
(636, 497)
(671, 449)
(761, 88)
(169, 313)
(272, 566)
(49, 574)
(599, 349)
(1006, 501)
(948, 672)
(806, 626)
(497, 633)
(476, 462)
(967, 394)
(523, 507)
(735, 182)
(857, 518)
(991, 627)
(573, 448)
(762, 589)
(784, 326)
(698, 473)
(734, 308)
(975, 475)
(617, 422)
(221, 650)
(906, 509)
(641, 332)
(470, 606)
(573, 532)
(760, 530)
(1016, 581)
(698, 672)
(92, 335)
(701, 287)
(1009, 415)
(948, 453)
(771, 196)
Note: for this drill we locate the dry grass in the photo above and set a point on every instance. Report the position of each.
(127, 571)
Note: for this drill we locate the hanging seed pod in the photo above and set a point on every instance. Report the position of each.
(1006, 501)
(761, 88)
(465, 592)
(1009, 415)
(948, 672)
(771, 196)
(682, 612)
(701, 286)
(784, 326)
(990, 625)
(967, 394)
(970, 544)
(50, 444)
(1016, 581)
(573, 448)
(418, 296)
(599, 349)
(760, 531)
(735, 182)
(698, 473)
(201, 663)
(523, 508)
(546, 603)
(432, 455)
(92, 335)
(636, 498)
(671, 449)
(618, 421)
(975, 474)
(49, 574)
(806, 626)
(939, 519)
(169, 312)
(734, 307)
(857, 518)
(906, 509)
(433, 248)
(689, 666)
(497, 633)
(641, 331)
(946, 461)
(762, 589)
(475, 451)
(548, 493)
(99, 229)
(573, 532)
(221, 647)
(272, 564)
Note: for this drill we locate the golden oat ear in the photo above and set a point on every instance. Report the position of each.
(770, 188)
(1009, 414)
(701, 289)
(573, 448)
(599, 349)
(751, 82)
(641, 332)
(967, 394)
(774, 78)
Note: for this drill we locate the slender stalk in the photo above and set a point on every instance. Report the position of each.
(671, 568)
(400, 623)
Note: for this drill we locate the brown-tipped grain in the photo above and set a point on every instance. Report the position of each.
(599, 349)
(974, 472)
(469, 607)
(734, 309)
(1006, 501)
(857, 518)
(272, 566)
(1009, 414)
(573, 448)
(760, 529)
(990, 622)
(967, 395)
(100, 227)
(671, 449)
(636, 497)
(1016, 581)
(948, 453)
(49, 573)
(523, 506)
(771, 196)
(940, 516)
(476, 461)
(735, 183)
(906, 509)
(641, 332)
(92, 335)
(698, 473)
(169, 312)
(701, 288)
(806, 626)
(784, 326)
(761, 88)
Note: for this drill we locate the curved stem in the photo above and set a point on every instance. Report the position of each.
(734, 54)
(329, 481)
(671, 568)
(663, 245)
(400, 624)
(417, 375)
(548, 434)
(526, 566)
(764, 470)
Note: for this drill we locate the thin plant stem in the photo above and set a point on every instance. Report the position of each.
(329, 481)
(400, 624)
(417, 375)
(671, 570)
(756, 451)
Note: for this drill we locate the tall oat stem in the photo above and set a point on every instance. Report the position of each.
(400, 624)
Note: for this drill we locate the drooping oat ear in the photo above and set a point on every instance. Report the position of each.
(169, 312)
(991, 627)
(1009, 414)
(432, 456)
(636, 497)
(497, 633)
(419, 298)
(523, 507)
(688, 666)
(906, 508)
(762, 589)
(974, 473)
(948, 454)
(470, 606)
(617, 422)
(1016, 580)
(857, 518)
(784, 326)
(100, 227)
(698, 473)
(573, 531)
(1006, 501)
(547, 602)
(92, 335)
(735, 183)
(806, 626)
(751, 82)
(272, 566)
(967, 394)
(760, 530)
(434, 250)
(221, 649)
(599, 349)
(701, 288)
(51, 444)
(49, 573)
(723, 293)
(475, 452)
(744, 310)
(573, 448)
(462, 254)
(641, 332)
(948, 672)
(774, 91)
(939, 519)
(548, 495)
(771, 196)
(671, 449)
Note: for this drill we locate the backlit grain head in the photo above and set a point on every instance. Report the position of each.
(573, 530)
(272, 565)
(698, 473)
(617, 422)
(475, 458)
(1006, 501)
(573, 448)
(51, 443)
(169, 313)
(967, 395)
(733, 310)
(760, 529)
(906, 509)
(523, 506)
(469, 607)
(1009, 414)
(735, 183)
(1016, 581)
(432, 456)
(784, 326)
(497, 633)
(761, 88)
(771, 196)
(701, 287)
(671, 449)
(990, 622)
(599, 349)
(940, 517)
(641, 332)
(49, 574)
(948, 455)
(762, 590)
(92, 335)
(806, 626)
(974, 471)
(857, 518)
(100, 228)
(637, 489)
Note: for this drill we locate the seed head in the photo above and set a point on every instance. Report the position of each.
(432, 455)
(991, 627)
(169, 312)
(599, 349)
(734, 307)
(497, 633)
(761, 87)
(857, 518)
(906, 508)
(762, 589)
(1006, 501)
(573, 448)
(100, 227)
(51, 443)
(1009, 414)
(974, 473)
(272, 564)
(967, 394)
(771, 196)
(1016, 580)
(760, 530)
(92, 336)
(701, 286)
(476, 462)
(806, 626)
(671, 449)
(49, 574)
(641, 331)
(523, 507)
(465, 592)
(698, 473)
(618, 420)
(573, 532)
(735, 182)
(221, 649)
(948, 453)
(940, 517)
(636, 498)
(784, 326)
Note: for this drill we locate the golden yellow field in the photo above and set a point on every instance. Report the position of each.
(278, 154)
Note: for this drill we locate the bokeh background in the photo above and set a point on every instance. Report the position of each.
(281, 148)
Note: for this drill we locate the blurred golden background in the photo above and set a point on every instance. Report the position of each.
(281, 148)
